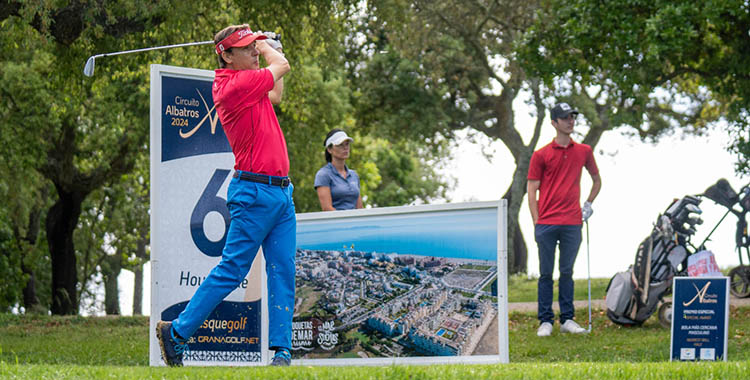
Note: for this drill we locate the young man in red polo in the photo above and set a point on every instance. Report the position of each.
(555, 173)
(259, 196)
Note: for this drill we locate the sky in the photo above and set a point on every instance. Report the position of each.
(467, 234)
(639, 181)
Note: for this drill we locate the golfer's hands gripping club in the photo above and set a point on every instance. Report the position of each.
(587, 211)
(274, 40)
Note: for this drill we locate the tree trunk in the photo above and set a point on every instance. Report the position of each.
(517, 249)
(30, 300)
(138, 291)
(138, 283)
(110, 271)
(62, 219)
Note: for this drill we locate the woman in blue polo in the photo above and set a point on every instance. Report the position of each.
(336, 184)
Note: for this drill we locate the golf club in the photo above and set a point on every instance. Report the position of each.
(88, 69)
(588, 267)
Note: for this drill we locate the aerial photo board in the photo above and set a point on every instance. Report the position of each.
(413, 284)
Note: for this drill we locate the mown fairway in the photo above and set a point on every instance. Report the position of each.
(117, 347)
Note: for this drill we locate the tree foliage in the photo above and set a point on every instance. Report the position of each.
(458, 65)
(443, 66)
(676, 63)
(75, 141)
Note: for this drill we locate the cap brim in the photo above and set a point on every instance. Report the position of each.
(566, 114)
(248, 40)
(341, 140)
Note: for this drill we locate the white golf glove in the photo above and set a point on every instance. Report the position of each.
(272, 41)
(587, 211)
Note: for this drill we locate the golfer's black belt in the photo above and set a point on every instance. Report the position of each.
(262, 178)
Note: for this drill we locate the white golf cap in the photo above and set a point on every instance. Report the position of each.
(338, 138)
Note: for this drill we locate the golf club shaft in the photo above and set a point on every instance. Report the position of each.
(588, 268)
(88, 68)
(153, 48)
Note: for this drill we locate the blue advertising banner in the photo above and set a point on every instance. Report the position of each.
(230, 326)
(190, 126)
(700, 318)
(191, 166)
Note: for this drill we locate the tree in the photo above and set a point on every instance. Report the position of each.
(22, 259)
(26, 194)
(447, 66)
(109, 236)
(317, 98)
(391, 106)
(80, 135)
(406, 172)
(75, 122)
(686, 60)
(464, 64)
(10, 270)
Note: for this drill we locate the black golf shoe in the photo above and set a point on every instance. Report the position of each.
(282, 358)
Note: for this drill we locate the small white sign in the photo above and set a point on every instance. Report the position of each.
(708, 354)
(687, 354)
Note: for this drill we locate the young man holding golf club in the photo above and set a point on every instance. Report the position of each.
(259, 197)
(554, 187)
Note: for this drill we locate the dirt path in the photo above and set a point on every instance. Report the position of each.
(599, 304)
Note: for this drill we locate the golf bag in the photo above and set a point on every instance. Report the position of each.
(633, 295)
(739, 205)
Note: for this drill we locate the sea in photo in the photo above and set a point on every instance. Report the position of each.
(465, 234)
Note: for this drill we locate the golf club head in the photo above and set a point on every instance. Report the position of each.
(88, 69)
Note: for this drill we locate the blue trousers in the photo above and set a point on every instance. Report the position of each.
(261, 215)
(547, 238)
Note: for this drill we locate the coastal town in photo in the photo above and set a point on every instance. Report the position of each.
(357, 304)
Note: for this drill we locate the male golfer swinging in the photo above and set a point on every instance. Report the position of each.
(259, 197)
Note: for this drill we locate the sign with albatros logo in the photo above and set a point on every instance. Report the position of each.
(700, 318)
(191, 164)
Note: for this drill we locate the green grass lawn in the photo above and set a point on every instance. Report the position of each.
(616, 371)
(35, 347)
(523, 289)
(609, 342)
(118, 341)
(117, 347)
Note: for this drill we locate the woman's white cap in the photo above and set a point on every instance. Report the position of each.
(338, 138)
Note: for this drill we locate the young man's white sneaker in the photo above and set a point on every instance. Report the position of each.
(545, 329)
(570, 326)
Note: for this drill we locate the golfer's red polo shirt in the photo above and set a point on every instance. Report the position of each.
(559, 171)
(249, 121)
